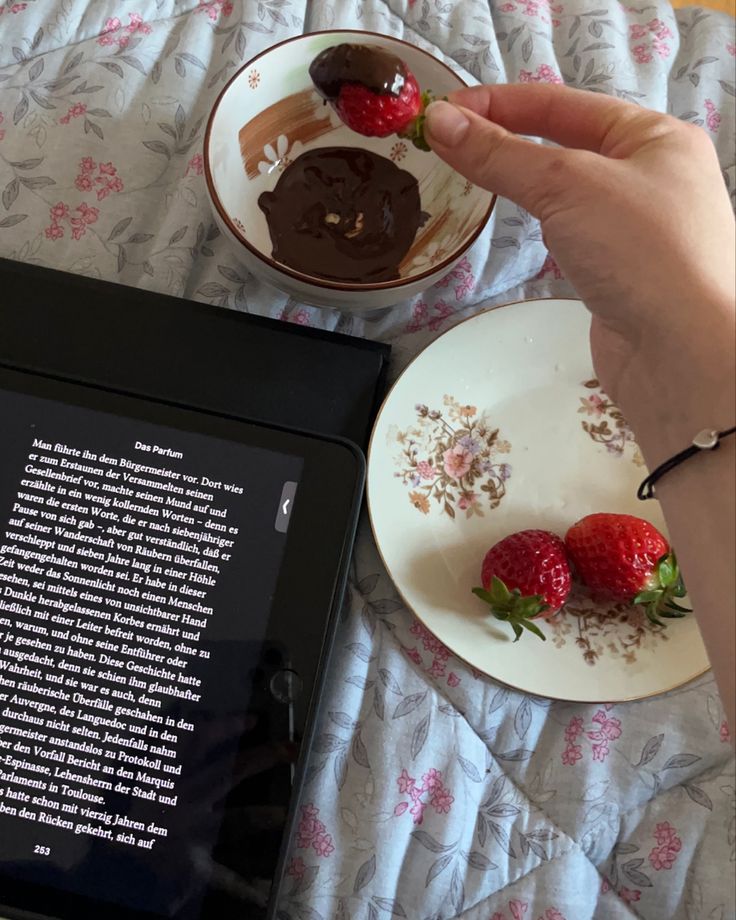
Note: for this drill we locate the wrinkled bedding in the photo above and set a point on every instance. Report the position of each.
(432, 792)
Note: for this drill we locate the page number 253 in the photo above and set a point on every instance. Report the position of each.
(42, 851)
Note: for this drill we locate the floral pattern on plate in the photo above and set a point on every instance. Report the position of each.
(617, 630)
(611, 429)
(451, 455)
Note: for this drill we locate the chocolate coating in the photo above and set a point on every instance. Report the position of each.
(343, 214)
(373, 67)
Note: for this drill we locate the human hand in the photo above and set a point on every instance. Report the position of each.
(636, 214)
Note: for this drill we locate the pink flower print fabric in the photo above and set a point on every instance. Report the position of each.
(663, 856)
(430, 793)
(312, 833)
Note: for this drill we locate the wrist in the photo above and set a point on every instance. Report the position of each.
(675, 392)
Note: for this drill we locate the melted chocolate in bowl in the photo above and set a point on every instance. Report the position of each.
(375, 68)
(343, 214)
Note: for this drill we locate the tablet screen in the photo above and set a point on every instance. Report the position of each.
(138, 565)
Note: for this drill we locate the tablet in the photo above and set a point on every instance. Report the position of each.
(165, 348)
(168, 587)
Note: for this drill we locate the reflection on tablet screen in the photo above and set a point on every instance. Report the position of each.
(138, 564)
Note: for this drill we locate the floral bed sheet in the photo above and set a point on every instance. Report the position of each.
(432, 791)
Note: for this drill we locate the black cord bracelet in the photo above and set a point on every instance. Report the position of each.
(707, 439)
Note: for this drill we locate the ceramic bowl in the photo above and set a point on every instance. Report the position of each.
(269, 113)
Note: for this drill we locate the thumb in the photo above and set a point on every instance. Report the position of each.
(495, 159)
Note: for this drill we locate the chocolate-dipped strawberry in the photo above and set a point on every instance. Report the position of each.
(372, 91)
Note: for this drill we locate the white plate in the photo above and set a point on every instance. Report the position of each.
(561, 451)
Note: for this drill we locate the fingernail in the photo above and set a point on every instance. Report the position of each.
(446, 123)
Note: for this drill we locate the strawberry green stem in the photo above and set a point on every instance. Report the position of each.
(513, 608)
(658, 600)
(414, 131)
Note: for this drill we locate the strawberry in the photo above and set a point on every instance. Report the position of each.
(378, 114)
(525, 575)
(627, 559)
(373, 92)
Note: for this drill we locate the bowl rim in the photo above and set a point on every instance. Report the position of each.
(285, 269)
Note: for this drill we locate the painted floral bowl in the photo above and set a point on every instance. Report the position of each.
(269, 114)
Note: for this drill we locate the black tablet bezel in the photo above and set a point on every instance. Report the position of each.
(329, 497)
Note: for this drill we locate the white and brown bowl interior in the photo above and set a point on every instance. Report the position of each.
(270, 113)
